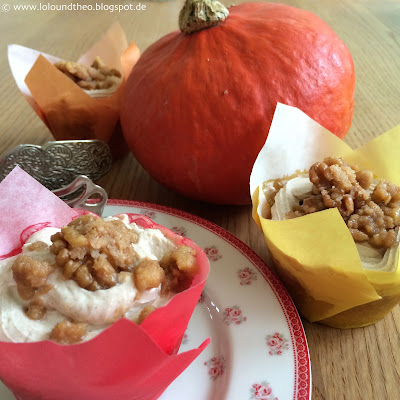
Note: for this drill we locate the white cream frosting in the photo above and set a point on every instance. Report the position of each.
(66, 299)
(300, 188)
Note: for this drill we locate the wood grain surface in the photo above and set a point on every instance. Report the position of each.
(346, 364)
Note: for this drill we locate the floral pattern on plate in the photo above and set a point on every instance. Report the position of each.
(262, 391)
(233, 315)
(216, 367)
(247, 276)
(213, 253)
(277, 344)
(149, 213)
(179, 230)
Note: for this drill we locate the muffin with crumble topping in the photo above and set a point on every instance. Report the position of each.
(370, 207)
(70, 284)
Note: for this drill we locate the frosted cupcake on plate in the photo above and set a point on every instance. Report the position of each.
(100, 305)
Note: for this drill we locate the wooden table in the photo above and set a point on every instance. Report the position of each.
(349, 364)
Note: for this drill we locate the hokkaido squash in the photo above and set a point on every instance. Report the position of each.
(198, 105)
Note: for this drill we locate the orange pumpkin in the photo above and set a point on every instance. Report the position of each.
(197, 107)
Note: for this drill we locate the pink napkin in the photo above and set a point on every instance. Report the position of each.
(27, 206)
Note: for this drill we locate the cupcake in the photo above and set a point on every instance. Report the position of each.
(69, 285)
(110, 295)
(369, 207)
(78, 100)
(330, 217)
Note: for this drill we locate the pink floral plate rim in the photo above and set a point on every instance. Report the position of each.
(302, 365)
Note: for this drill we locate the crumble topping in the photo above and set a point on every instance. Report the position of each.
(97, 76)
(372, 213)
(67, 332)
(92, 251)
(180, 267)
(36, 309)
(148, 274)
(29, 275)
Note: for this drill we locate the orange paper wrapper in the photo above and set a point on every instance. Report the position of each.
(67, 110)
(126, 361)
(315, 255)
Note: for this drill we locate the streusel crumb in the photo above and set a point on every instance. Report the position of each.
(67, 332)
(29, 275)
(97, 76)
(180, 266)
(93, 251)
(371, 214)
(38, 246)
(148, 274)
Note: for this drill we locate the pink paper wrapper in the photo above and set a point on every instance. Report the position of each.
(126, 361)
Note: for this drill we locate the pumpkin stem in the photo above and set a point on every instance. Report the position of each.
(201, 14)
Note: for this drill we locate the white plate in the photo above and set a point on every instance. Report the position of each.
(258, 346)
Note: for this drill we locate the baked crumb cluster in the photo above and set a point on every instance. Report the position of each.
(92, 251)
(98, 254)
(372, 213)
(30, 276)
(97, 76)
(67, 332)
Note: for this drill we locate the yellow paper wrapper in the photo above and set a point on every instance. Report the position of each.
(69, 112)
(315, 255)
